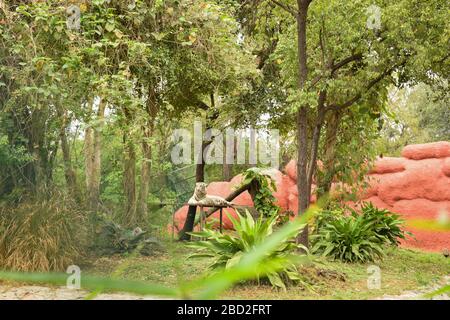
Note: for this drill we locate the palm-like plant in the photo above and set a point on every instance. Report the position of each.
(384, 223)
(348, 238)
(228, 249)
(358, 237)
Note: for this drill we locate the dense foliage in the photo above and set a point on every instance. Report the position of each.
(264, 186)
(418, 115)
(356, 237)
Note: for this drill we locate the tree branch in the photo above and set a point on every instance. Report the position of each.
(337, 66)
(342, 63)
(372, 83)
(200, 104)
(286, 7)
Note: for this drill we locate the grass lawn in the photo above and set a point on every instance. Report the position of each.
(401, 269)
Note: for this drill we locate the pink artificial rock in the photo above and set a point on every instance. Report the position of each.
(293, 190)
(371, 189)
(421, 208)
(179, 218)
(223, 189)
(377, 202)
(421, 179)
(420, 191)
(416, 187)
(281, 193)
(313, 198)
(293, 197)
(293, 203)
(220, 188)
(446, 167)
(439, 149)
(427, 240)
(237, 179)
(388, 165)
(291, 170)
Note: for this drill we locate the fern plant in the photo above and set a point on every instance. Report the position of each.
(227, 250)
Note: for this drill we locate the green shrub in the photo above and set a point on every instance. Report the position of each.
(348, 239)
(385, 223)
(228, 249)
(41, 235)
(358, 237)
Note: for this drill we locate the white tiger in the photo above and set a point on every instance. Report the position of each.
(200, 198)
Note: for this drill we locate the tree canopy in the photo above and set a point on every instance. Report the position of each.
(90, 91)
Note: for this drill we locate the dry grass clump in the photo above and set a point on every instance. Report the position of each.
(42, 235)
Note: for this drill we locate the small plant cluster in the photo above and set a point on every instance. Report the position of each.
(228, 249)
(264, 200)
(111, 238)
(357, 237)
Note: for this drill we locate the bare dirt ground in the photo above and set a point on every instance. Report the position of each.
(59, 293)
(418, 294)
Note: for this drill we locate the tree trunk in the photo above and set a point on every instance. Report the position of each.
(227, 172)
(304, 191)
(148, 131)
(41, 152)
(93, 142)
(316, 137)
(145, 173)
(129, 181)
(302, 182)
(227, 168)
(199, 176)
(69, 173)
(324, 185)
